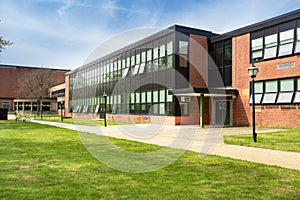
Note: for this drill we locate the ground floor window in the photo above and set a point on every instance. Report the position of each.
(6, 105)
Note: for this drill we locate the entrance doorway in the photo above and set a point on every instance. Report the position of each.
(222, 112)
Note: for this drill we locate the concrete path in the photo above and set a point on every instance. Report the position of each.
(194, 138)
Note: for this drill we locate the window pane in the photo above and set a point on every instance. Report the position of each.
(169, 47)
(170, 61)
(287, 36)
(270, 52)
(155, 96)
(287, 85)
(184, 108)
(257, 99)
(169, 97)
(298, 34)
(142, 68)
(297, 48)
(257, 54)
(125, 73)
(149, 97)
(162, 110)
(137, 97)
(143, 57)
(162, 95)
(258, 87)
(271, 40)
(285, 97)
(271, 86)
(138, 58)
(132, 100)
(143, 97)
(149, 55)
(183, 47)
(269, 98)
(298, 84)
(297, 98)
(132, 61)
(257, 44)
(162, 50)
(285, 49)
(136, 69)
(155, 53)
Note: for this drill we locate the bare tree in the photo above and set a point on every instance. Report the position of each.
(35, 85)
(4, 43)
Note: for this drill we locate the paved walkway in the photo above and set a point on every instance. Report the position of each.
(206, 141)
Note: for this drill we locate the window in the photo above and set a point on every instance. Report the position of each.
(286, 91)
(297, 95)
(270, 46)
(6, 105)
(142, 68)
(257, 48)
(183, 53)
(297, 48)
(258, 89)
(125, 72)
(184, 107)
(270, 92)
(136, 69)
(286, 42)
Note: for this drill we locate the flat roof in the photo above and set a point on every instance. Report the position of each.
(31, 67)
(257, 26)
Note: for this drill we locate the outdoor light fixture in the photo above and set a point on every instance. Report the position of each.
(253, 70)
(105, 97)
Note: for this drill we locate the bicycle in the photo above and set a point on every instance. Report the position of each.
(23, 119)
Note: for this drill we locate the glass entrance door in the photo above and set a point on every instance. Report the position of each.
(222, 112)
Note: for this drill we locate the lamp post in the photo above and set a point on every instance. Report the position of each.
(252, 70)
(61, 111)
(105, 97)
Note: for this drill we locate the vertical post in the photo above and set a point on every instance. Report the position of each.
(105, 96)
(202, 110)
(253, 112)
(61, 111)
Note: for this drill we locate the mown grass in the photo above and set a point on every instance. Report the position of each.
(285, 140)
(44, 162)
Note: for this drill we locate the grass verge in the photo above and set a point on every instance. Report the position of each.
(44, 162)
(285, 140)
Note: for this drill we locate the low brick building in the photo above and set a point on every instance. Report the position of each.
(13, 93)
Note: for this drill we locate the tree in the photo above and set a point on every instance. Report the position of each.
(4, 43)
(35, 85)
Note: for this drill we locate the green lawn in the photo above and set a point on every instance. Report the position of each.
(286, 140)
(43, 162)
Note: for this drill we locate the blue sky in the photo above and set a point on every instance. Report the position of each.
(62, 33)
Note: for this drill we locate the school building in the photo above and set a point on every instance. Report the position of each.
(184, 75)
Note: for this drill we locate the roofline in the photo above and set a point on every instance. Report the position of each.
(32, 67)
(257, 26)
(167, 31)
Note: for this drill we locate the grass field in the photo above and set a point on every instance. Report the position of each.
(43, 162)
(286, 140)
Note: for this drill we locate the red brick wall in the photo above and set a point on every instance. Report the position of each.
(11, 76)
(198, 61)
(265, 115)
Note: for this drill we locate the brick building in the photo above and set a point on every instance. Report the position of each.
(184, 75)
(13, 93)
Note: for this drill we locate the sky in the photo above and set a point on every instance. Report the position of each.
(63, 33)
